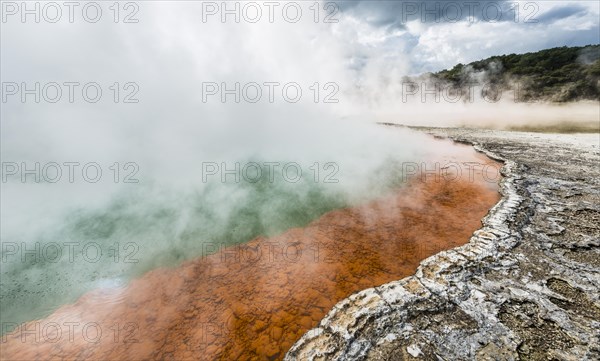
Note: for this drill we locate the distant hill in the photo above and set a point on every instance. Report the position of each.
(562, 74)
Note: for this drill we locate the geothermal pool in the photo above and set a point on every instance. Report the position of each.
(254, 299)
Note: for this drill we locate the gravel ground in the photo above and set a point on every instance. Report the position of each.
(526, 286)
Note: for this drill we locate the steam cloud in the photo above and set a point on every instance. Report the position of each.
(171, 213)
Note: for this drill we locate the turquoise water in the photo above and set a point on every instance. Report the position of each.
(152, 225)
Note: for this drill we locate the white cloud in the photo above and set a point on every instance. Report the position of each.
(538, 25)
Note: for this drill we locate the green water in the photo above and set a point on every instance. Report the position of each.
(154, 225)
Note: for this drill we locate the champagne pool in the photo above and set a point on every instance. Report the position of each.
(243, 283)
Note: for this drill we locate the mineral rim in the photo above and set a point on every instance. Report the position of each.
(526, 286)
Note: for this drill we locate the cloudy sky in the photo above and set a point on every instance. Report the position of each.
(432, 35)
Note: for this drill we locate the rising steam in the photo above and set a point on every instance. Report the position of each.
(172, 213)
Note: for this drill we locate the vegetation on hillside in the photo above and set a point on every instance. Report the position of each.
(560, 74)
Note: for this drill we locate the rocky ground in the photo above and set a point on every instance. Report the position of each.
(526, 286)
